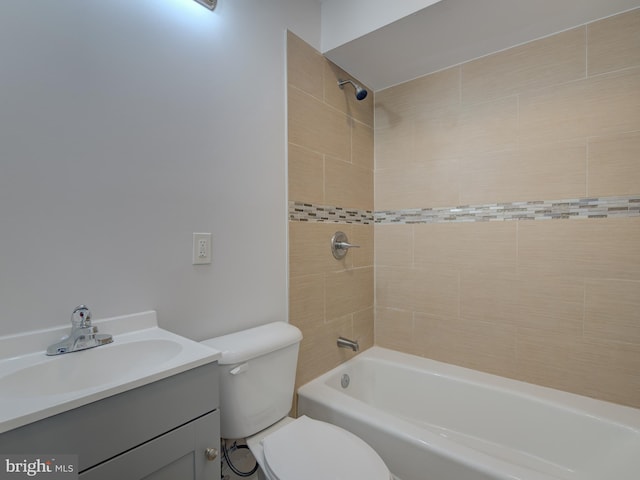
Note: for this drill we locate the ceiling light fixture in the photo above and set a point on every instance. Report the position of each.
(210, 4)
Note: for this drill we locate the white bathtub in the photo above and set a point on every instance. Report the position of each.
(433, 421)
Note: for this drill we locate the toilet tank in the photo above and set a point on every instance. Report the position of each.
(257, 377)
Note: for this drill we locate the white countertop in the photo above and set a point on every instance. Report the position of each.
(141, 353)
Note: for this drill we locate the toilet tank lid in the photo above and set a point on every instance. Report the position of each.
(252, 343)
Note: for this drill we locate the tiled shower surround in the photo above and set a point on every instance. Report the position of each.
(330, 163)
(500, 224)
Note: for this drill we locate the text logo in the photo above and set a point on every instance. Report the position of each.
(49, 467)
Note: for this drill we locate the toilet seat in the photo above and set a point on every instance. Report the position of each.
(315, 450)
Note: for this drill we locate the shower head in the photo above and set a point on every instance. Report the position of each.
(361, 93)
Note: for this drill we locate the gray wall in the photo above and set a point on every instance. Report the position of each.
(125, 126)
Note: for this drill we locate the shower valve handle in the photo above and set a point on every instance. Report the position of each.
(340, 245)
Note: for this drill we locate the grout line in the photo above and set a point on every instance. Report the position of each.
(586, 51)
(324, 177)
(584, 306)
(413, 246)
(459, 273)
(586, 186)
(518, 249)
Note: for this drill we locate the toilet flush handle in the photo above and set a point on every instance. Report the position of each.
(243, 367)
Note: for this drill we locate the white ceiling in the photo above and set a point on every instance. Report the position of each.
(346, 20)
(451, 32)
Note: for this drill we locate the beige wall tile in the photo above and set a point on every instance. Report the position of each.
(433, 183)
(612, 310)
(553, 171)
(348, 185)
(614, 43)
(433, 291)
(549, 61)
(546, 359)
(597, 369)
(306, 301)
(362, 235)
(602, 105)
(474, 246)
(600, 248)
(318, 350)
(407, 100)
(441, 244)
(310, 249)
(393, 287)
(451, 132)
(624, 358)
(394, 245)
(306, 175)
(437, 134)
(423, 339)
(394, 145)
(488, 297)
(348, 291)
(394, 329)
(482, 346)
(344, 99)
(622, 388)
(363, 328)
(551, 304)
(317, 126)
(304, 66)
(614, 165)
(393, 106)
(389, 116)
(362, 145)
(611, 370)
(489, 126)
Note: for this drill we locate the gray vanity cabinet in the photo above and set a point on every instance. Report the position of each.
(176, 455)
(158, 431)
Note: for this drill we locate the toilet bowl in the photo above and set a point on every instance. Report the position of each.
(257, 378)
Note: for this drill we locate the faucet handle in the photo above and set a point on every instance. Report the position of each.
(81, 316)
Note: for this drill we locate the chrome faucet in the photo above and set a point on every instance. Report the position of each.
(83, 335)
(346, 343)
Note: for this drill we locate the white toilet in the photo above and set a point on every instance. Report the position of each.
(257, 378)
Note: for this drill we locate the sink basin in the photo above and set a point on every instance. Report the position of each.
(88, 368)
(34, 386)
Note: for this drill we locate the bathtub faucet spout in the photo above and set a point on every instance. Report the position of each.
(346, 343)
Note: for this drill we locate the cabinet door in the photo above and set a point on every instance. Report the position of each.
(179, 454)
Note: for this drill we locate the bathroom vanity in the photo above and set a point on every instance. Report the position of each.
(162, 425)
(160, 430)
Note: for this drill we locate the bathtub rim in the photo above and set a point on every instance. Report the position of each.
(622, 415)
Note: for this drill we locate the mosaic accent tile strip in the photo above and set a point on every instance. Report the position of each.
(583, 208)
(306, 212)
(570, 209)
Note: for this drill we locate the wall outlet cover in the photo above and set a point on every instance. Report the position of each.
(201, 248)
